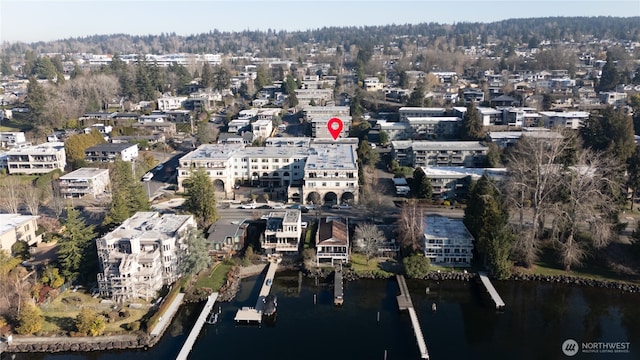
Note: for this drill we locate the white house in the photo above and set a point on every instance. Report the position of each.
(109, 151)
(283, 232)
(262, 128)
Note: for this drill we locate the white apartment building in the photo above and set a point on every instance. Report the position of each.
(262, 129)
(85, 181)
(331, 174)
(166, 103)
(283, 232)
(318, 96)
(505, 139)
(141, 255)
(109, 152)
(453, 183)
(16, 227)
(395, 130)
(439, 153)
(37, 159)
(419, 112)
(215, 159)
(319, 127)
(429, 128)
(447, 242)
(570, 119)
(313, 112)
(12, 139)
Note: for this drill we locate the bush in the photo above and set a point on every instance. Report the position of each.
(416, 266)
(132, 326)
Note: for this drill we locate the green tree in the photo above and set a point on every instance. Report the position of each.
(421, 185)
(416, 266)
(76, 248)
(366, 154)
(610, 77)
(90, 323)
(20, 249)
(487, 218)
(384, 137)
(5, 65)
(290, 85)
(76, 145)
(207, 77)
(29, 319)
(417, 97)
(493, 155)
(471, 127)
(195, 257)
(201, 198)
(36, 100)
(633, 171)
(128, 194)
(263, 77)
(44, 68)
(612, 132)
(222, 78)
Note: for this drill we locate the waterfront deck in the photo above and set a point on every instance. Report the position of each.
(492, 291)
(195, 331)
(405, 303)
(254, 315)
(164, 320)
(338, 293)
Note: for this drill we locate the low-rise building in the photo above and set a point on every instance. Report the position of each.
(439, 153)
(109, 152)
(142, 255)
(12, 139)
(283, 232)
(331, 174)
(447, 242)
(570, 119)
(419, 112)
(332, 241)
(262, 129)
(452, 183)
(37, 159)
(226, 238)
(320, 129)
(16, 227)
(93, 182)
(171, 102)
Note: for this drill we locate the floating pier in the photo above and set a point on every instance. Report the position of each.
(195, 331)
(254, 315)
(492, 291)
(405, 303)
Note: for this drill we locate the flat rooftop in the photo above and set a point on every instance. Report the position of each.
(331, 157)
(212, 152)
(110, 147)
(84, 173)
(8, 222)
(440, 227)
(148, 225)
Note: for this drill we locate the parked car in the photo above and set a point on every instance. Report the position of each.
(263, 207)
(278, 206)
(310, 206)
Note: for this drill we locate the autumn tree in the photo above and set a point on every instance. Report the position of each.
(76, 145)
(195, 254)
(51, 276)
(368, 239)
(201, 198)
(76, 247)
(90, 323)
(29, 319)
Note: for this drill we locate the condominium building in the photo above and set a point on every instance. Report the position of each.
(447, 242)
(331, 174)
(85, 181)
(283, 232)
(141, 255)
(109, 152)
(418, 112)
(431, 128)
(37, 159)
(453, 183)
(439, 153)
(12, 139)
(570, 119)
(16, 227)
(313, 112)
(320, 129)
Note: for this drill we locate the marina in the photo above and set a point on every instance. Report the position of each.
(250, 315)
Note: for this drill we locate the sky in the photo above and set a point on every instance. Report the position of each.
(46, 20)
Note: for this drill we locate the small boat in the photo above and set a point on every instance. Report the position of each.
(213, 317)
(270, 305)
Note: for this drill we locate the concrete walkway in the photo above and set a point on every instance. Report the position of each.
(166, 318)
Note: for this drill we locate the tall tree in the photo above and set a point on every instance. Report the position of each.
(411, 226)
(471, 127)
(36, 100)
(369, 238)
(76, 248)
(128, 194)
(610, 77)
(201, 198)
(195, 257)
(421, 185)
(612, 131)
(207, 77)
(263, 77)
(11, 188)
(29, 319)
(417, 97)
(633, 170)
(222, 78)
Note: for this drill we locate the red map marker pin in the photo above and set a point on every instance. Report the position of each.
(335, 127)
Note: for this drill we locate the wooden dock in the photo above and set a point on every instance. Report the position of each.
(492, 291)
(254, 315)
(338, 292)
(405, 303)
(195, 331)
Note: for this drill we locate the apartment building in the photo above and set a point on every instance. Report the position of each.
(419, 112)
(431, 128)
(439, 153)
(262, 129)
(320, 129)
(142, 255)
(283, 232)
(452, 183)
(91, 182)
(37, 159)
(12, 139)
(170, 102)
(109, 152)
(313, 112)
(331, 174)
(17, 227)
(569, 119)
(447, 242)
(318, 96)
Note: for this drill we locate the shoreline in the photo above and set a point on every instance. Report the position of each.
(142, 340)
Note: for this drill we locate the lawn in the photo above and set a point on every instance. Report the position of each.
(384, 267)
(61, 312)
(215, 278)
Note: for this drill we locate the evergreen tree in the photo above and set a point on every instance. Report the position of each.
(610, 77)
(36, 100)
(417, 96)
(128, 194)
(201, 198)
(471, 127)
(421, 185)
(195, 257)
(207, 77)
(416, 266)
(222, 78)
(44, 68)
(612, 131)
(633, 170)
(5, 66)
(76, 247)
(263, 78)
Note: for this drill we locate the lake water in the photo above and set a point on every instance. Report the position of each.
(538, 319)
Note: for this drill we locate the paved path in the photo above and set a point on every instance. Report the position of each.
(166, 318)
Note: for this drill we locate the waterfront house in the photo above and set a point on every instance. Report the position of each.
(332, 241)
